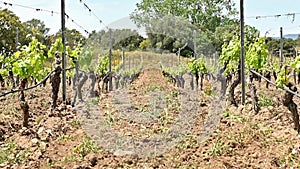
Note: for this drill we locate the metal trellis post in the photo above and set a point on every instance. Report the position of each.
(242, 51)
(195, 45)
(281, 48)
(110, 59)
(64, 50)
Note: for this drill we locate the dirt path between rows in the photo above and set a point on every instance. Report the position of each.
(148, 124)
(147, 118)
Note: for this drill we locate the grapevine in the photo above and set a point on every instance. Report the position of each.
(283, 81)
(126, 76)
(103, 63)
(257, 54)
(256, 58)
(30, 63)
(230, 56)
(56, 51)
(175, 75)
(197, 66)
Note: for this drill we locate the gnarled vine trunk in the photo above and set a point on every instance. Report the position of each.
(275, 75)
(254, 97)
(179, 81)
(69, 81)
(182, 81)
(74, 85)
(192, 82)
(298, 78)
(11, 78)
(18, 80)
(45, 83)
(23, 103)
(105, 83)
(82, 79)
(197, 80)
(133, 77)
(201, 81)
(228, 79)
(291, 105)
(92, 77)
(295, 76)
(232, 87)
(99, 80)
(170, 77)
(117, 81)
(2, 81)
(55, 81)
(268, 76)
(222, 79)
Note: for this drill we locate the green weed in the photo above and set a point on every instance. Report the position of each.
(76, 123)
(51, 163)
(109, 118)
(217, 149)
(188, 142)
(96, 100)
(66, 138)
(209, 90)
(234, 117)
(85, 147)
(10, 153)
(69, 159)
(264, 101)
(266, 131)
(278, 139)
(39, 120)
(152, 88)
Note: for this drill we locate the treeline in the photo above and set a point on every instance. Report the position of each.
(289, 46)
(15, 34)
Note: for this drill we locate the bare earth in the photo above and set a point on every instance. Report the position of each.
(60, 139)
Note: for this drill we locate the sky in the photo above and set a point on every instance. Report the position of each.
(272, 24)
(108, 11)
(111, 11)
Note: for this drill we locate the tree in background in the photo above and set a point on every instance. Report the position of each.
(226, 32)
(206, 15)
(173, 34)
(144, 44)
(122, 38)
(289, 45)
(129, 39)
(11, 28)
(37, 29)
(9, 24)
(73, 38)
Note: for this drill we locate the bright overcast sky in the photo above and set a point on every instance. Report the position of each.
(112, 10)
(107, 10)
(273, 7)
